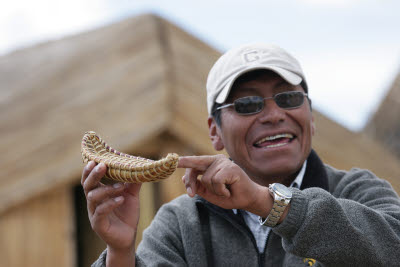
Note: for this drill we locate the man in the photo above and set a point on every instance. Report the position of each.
(272, 203)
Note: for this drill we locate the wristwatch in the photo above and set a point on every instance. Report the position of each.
(282, 196)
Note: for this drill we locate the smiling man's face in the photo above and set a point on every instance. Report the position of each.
(269, 146)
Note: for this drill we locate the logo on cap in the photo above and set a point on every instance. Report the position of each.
(251, 56)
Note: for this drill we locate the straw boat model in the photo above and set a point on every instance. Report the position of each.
(123, 167)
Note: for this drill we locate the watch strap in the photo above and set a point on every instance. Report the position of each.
(282, 197)
(275, 214)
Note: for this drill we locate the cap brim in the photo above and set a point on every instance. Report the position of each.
(288, 76)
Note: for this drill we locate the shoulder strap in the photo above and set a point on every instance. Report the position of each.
(205, 230)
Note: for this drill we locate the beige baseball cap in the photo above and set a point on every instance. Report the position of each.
(246, 58)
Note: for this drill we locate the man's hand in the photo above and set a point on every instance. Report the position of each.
(224, 183)
(113, 211)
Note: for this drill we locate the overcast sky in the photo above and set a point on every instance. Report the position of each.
(349, 49)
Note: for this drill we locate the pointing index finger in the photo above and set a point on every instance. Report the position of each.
(200, 163)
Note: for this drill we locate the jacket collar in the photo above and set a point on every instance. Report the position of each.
(315, 175)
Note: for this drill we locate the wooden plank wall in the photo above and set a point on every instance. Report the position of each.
(39, 232)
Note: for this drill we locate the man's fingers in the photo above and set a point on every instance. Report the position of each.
(101, 212)
(100, 194)
(221, 190)
(93, 180)
(214, 180)
(132, 188)
(190, 179)
(200, 163)
(86, 171)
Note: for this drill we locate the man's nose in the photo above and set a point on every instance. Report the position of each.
(271, 113)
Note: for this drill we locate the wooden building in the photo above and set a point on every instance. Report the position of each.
(140, 84)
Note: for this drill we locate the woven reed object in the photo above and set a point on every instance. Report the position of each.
(123, 167)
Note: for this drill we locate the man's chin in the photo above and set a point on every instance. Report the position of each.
(282, 173)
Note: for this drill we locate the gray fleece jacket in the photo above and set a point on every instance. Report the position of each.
(337, 218)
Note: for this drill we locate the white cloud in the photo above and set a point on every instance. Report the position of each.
(27, 22)
(331, 3)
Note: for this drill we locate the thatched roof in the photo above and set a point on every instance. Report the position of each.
(134, 83)
(384, 126)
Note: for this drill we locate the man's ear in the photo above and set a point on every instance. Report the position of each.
(215, 134)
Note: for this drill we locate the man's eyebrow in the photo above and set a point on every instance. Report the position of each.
(284, 84)
(248, 89)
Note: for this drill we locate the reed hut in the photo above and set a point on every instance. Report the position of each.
(384, 125)
(140, 84)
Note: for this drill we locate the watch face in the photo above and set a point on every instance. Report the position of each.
(282, 190)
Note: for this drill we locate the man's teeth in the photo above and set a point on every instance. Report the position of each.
(270, 138)
(281, 144)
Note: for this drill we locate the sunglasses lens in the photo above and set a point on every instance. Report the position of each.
(249, 104)
(254, 104)
(289, 100)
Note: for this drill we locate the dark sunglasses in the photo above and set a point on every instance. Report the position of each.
(254, 104)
